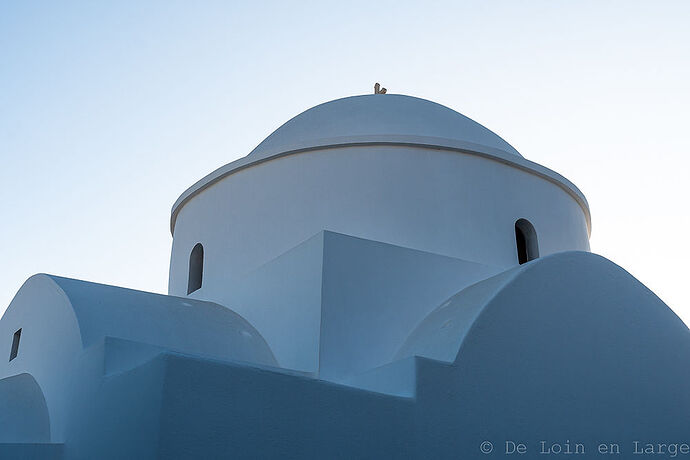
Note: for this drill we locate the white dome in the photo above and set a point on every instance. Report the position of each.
(365, 124)
(382, 118)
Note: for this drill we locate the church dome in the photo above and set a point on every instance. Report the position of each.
(338, 141)
(379, 118)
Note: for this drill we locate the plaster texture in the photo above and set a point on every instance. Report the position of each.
(448, 203)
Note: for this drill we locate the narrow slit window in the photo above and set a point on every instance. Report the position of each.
(15, 344)
(196, 268)
(526, 241)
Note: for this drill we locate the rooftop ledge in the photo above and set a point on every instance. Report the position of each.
(435, 143)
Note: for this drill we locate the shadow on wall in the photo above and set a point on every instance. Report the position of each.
(23, 411)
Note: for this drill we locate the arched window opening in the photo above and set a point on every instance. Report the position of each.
(526, 241)
(196, 268)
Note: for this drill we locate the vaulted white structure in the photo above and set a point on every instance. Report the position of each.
(381, 277)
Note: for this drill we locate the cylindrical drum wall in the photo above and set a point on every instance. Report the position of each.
(445, 202)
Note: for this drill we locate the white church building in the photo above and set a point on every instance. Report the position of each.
(381, 277)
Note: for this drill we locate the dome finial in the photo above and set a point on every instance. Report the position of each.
(378, 89)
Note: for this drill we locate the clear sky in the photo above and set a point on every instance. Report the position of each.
(110, 110)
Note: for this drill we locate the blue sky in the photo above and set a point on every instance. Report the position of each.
(108, 111)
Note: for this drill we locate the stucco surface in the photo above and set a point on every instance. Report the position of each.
(375, 120)
(447, 203)
(377, 117)
(305, 304)
(61, 317)
(579, 287)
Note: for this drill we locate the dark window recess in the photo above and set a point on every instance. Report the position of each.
(196, 268)
(15, 344)
(526, 241)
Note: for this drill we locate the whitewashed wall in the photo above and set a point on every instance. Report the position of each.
(446, 202)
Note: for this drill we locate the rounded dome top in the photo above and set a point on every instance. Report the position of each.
(382, 118)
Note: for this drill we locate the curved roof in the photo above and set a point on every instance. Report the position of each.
(566, 289)
(382, 117)
(173, 323)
